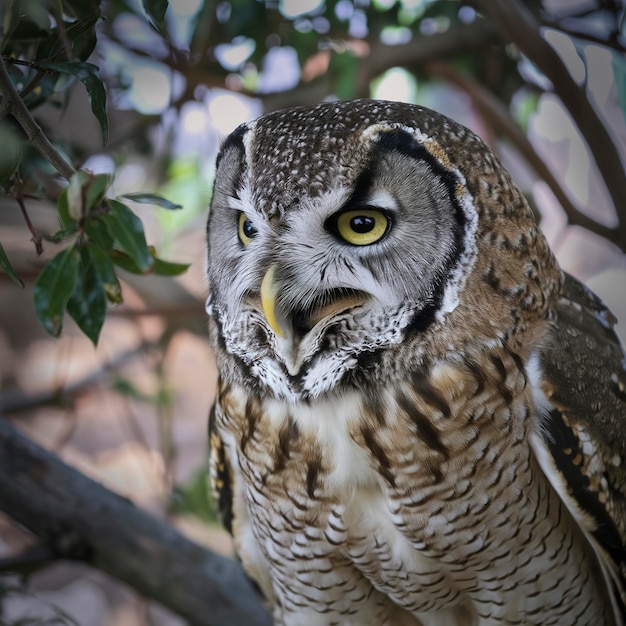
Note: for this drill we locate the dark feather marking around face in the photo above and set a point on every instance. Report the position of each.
(425, 430)
(422, 319)
(229, 183)
(404, 143)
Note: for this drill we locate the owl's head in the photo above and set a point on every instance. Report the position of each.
(347, 239)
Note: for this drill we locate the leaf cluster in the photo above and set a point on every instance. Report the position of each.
(45, 48)
(103, 233)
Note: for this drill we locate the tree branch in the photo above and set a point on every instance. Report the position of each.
(79, 518)
(14, 105)
(12, 402)
(520, 26)
(456, 40)
(497, 115)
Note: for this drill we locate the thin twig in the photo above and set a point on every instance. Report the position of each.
(11, 403)
(33, 83)
(612, 41)
(19, 198)
(34, 66)
(16, 107)
(458, 40)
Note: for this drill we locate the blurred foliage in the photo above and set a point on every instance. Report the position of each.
(58, 616)
(194, 498)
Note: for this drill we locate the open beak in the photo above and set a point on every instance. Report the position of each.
(330, 302)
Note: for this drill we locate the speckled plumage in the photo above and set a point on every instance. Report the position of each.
(424, 429)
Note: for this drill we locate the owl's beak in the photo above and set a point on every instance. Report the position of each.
(328, 303)
(269, 292)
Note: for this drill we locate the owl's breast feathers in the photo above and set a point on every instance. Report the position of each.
(427, 495)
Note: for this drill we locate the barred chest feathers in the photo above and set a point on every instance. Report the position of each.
(350, 512)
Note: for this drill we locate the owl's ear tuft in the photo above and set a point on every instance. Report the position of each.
(235, 139)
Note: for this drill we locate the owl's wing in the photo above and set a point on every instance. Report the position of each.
(221, 475)
(232, 509)
(584, 378)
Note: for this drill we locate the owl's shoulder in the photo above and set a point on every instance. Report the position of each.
(583, 376)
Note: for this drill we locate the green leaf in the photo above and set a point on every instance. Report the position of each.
(110, 283)
(167, 268)
(10, 21)
(53, 288)
(5, 264)
(76, 194)
(156, 10)
(152, 198)
(127, 230)
(89, 75)
(36, 12)
(88, 304)
(63, 210)
(160, 267)
(121, 259)
(98, 233)
(85, 191)
(96, 190)
(80, 33)
(64, 233)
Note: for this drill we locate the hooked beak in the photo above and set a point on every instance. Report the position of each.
(328, 303)
(269, 291)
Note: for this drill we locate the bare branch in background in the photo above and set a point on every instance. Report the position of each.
(519, 25)
(16, 107)
(381, 57)
(80, 519)
(16, 401)
(498, 116)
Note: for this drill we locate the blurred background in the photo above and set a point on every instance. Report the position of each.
(535, 79)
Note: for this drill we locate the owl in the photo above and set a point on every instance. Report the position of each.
(420, 419)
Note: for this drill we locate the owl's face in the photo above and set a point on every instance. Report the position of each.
(344, 235)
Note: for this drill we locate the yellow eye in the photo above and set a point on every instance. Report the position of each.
(246, 229)
(362, 227)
